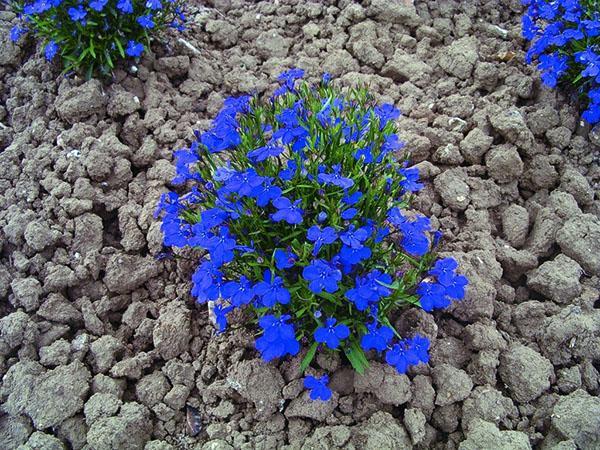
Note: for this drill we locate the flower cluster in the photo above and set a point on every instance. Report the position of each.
(300, 205)
(565, 40)
(91, 35)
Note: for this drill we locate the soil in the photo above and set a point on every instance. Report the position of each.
(101, 346)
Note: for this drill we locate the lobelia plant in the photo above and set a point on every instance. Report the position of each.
(565, 40)
(90, 36)
(300, 204)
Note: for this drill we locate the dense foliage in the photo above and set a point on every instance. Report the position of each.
(301, 206)
(565, 40)
(91, 36)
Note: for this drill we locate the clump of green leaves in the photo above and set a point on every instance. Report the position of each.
(90, 36)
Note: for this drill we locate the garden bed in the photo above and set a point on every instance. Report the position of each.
(100, 340)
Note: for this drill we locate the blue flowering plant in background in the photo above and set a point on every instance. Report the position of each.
(89, 36)
(300, 205)
(565, 41)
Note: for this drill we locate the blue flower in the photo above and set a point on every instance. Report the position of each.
(386, 112)
(50, 50)
(146, 21)
(321, 276)
(134, 49)
(530, 30)
(287, 80)
(16, 32)
(318, 387)
(410, 183)
(377, 338)
(552, 68)
(265, 192)
(207, 281)
(125, 6)
(220, 246)
(354, 237)
(349, 213)
(278, 339)
(271, 290)
(350, 256)
(335, 178)
(352, 199)
(322, 217)
(153, 4)
(243, 183)
(238, 292)
(284, 259)
(98, 5)
(455, 287)
(221, 316)
(331, 334)
(287, 211)
(369, 289)
(264, 152)
(320, 237)
(407, 353)
(326, 78)
(77, 14)
(444, 269)
(366, 153)
(432, 296)
(414, 240)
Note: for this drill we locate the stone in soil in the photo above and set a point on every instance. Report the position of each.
(558, 279)
(385, 383)
(577, 417)
(579, 239)
(485, 435)
(171, 333)
(453, 385)
(259, 383)
(525, 372)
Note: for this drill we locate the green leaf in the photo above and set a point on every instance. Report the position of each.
(119, 47)
(309, 356)
(357, 357)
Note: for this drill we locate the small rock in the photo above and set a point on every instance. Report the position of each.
(77, 103)
(460, 57)
(258, 383)
(577, 417)
(56, 354)
(173, 66)
(569, 379)
(125, 273)
(381, 431)
(414, 421)
(557, 279)
(504, 163)
(579, 239)
(486, 403)
(43, 441)
(515, 225)
(131, 429)
(453, 189)
(26, 293)
(101, 405)
(58, 394)
(38, 235)
(511, 125)
(152, 388)
(271, 44)
(453, 385)
(171, 334)
(525, 372)
(303, 406)
(475, 145)
(14, 431)
(577, 185)
(104, 352)
(385, 383)
(485, 435)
